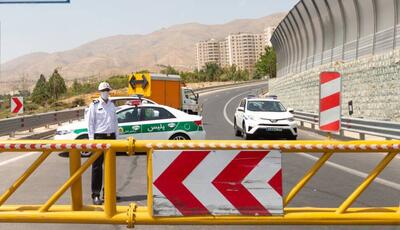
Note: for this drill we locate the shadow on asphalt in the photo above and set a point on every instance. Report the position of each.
(132, 198)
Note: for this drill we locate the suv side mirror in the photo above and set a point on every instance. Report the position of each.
(241, 109)
(290, 110)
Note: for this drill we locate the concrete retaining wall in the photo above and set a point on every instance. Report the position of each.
(372, 82)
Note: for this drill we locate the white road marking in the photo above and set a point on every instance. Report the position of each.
(354, 172)
(6, 162)
(230, 88)
(226, 106)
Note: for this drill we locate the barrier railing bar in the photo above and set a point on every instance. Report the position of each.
(76, 188)
(313, 170)
(150, 180)
(70, 181)
(23, 177)
(110, 184)
(377, 170)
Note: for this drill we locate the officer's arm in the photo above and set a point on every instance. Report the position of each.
(91, 121)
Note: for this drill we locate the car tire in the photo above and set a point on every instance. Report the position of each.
(83, 153)
(245, 135)
(238, 133)
(179, 137)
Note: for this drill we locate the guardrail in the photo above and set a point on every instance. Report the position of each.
(110, 213)
(385, 129)
(11, 125)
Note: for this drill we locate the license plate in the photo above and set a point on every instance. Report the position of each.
(273, 129)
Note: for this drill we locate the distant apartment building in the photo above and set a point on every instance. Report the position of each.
(242, 50)
(207, 51)
(245, 49)
(268, 31)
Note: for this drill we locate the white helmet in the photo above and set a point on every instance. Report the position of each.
(104, 85)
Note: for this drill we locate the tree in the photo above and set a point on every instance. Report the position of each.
(266, 65)
(56, 85)
(40, 93)
(168, 70)
(212, 71)
(76, 87)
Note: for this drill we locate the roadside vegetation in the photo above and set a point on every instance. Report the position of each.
(54, 94)
(265, 67)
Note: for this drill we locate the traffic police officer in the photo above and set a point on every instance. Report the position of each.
(102, 124)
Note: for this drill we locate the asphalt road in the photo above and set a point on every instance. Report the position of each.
(327, 189)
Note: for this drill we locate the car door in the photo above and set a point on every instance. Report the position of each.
(157, 123)
(128, 123)
(240, 113)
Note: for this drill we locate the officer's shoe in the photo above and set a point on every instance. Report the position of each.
(97, 200)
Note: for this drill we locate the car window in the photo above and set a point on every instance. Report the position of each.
(242, 103)
(129, 115)
(153, 113)
(265, 106)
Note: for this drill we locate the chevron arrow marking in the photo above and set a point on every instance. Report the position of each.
(226, 182)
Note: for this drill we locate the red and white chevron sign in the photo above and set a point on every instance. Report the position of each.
(17, 104)
(226, 182)
(329, 103)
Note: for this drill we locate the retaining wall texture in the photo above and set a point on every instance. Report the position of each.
(373, 83)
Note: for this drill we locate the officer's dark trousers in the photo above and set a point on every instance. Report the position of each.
(97, 167)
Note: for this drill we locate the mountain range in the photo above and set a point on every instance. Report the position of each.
(122, 54)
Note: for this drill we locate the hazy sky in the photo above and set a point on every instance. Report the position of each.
(49, 28)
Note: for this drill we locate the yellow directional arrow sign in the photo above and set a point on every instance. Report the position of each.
(140, 84)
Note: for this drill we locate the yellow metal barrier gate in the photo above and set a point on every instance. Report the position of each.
(110, 213)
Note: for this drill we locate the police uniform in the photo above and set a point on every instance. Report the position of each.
(102, 124)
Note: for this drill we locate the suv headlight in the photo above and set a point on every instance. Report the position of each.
(290, 119)
(63, 132)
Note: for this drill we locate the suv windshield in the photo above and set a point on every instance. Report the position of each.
(265, 106)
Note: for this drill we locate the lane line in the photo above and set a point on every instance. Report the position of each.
(354, 172)
(231, 88)
(226, 106)
(6, 162)
(351, 171)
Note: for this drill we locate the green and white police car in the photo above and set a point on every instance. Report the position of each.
(144, 122)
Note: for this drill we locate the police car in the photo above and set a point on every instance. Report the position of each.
(265, 117)
(144, 121)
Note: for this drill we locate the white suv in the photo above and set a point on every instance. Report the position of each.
(265, 117)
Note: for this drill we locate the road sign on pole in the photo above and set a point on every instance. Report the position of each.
(221, 182)
(140, 84)
(17, 105)
(329, 103)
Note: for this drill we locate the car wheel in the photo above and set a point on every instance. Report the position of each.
(179, 137)
(84, 153)
(245, 135)
(238, 133)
